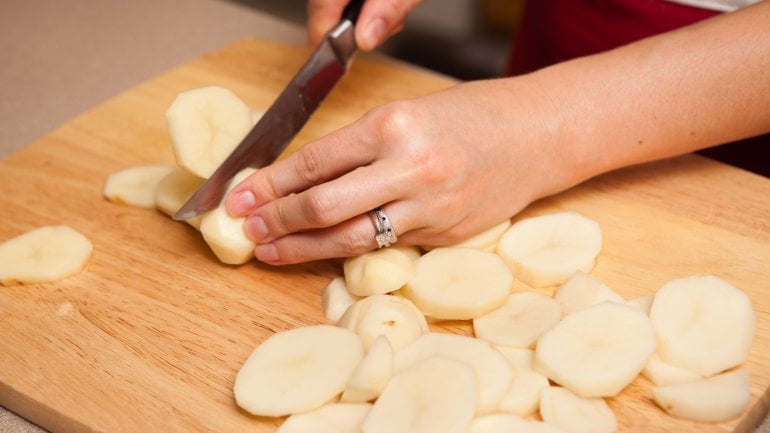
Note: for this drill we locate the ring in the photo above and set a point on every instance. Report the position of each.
(386, 234)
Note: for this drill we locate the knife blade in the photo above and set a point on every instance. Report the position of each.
(286, 116)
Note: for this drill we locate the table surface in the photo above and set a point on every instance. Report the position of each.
(70, 91)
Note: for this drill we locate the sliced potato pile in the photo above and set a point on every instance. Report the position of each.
(552, 357)
(45, 254)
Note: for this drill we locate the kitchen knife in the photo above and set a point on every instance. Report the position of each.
(288, 114)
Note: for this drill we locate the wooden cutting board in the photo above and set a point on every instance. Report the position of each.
(150, 335)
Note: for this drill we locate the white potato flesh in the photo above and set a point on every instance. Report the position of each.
(458, 283)
(492, 371)
(336, 299)
(394, 317)
(715, 399)
(519, 322)
(703, 324)
(597, 351)
(420, 399)
(135, 186)
(582, 290)
(575, 414)
(205, 125)
(545, 250)
(298, 370)
(372, 374)
(330, 418)
(380, 271)
(42, 255)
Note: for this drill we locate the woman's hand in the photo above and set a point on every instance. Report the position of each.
(443, 167)
(379, 20)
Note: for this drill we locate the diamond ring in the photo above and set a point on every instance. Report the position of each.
(386, 234)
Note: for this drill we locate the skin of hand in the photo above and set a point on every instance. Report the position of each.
(450, 164)
(379, 20)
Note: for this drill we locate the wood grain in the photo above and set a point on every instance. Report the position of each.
(150, 335)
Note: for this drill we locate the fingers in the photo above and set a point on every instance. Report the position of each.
(379, 20)
(316, 162)
(326, 204)
(322, 16)
(349, 238)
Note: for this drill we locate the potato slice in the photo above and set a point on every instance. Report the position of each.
(519, 322)
(330, 418)
(546, 250)
(715, 399)
(394, 317)
(336, 299)
(42, 255)
(597, 351)
(492, 371)
(582, 290)
(458, 283)
(174, 190)
(380, 271)
(372, 374)
(297, 370)
(518, 358)
(135, 186)
(205, 126)
(523, 396)
(420, 399)
(569, 412)
(703, 324)
(224, 233)
(662, 373)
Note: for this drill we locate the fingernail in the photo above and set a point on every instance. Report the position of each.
(266, 253)
(256, 228)
(374, 33)
(241, 203)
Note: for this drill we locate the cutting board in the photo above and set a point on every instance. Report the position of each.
(150, 335)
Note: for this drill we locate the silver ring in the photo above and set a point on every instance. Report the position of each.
(386, 234)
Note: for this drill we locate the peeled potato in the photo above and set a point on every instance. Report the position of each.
(380, 271)
(458, 283)
(714, 399)
(45, 254)
(703, 324)
(597, 351)
(135, 186)
(545, 250)
(420, 399)
(297, 370)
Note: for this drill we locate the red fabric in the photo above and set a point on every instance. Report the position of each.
(553, 31)
(556, 30)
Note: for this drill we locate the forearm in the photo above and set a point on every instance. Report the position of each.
(689, 89)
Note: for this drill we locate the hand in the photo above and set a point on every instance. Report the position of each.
(443, 166)
(379, 20)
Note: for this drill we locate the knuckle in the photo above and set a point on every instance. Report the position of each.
(308, 165)
(396, 120)
(319, 208)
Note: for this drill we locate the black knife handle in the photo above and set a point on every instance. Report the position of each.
(352, 10)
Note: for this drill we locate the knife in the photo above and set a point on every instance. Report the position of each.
(286, 116)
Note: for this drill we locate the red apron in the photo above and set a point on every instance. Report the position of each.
(553, 31)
